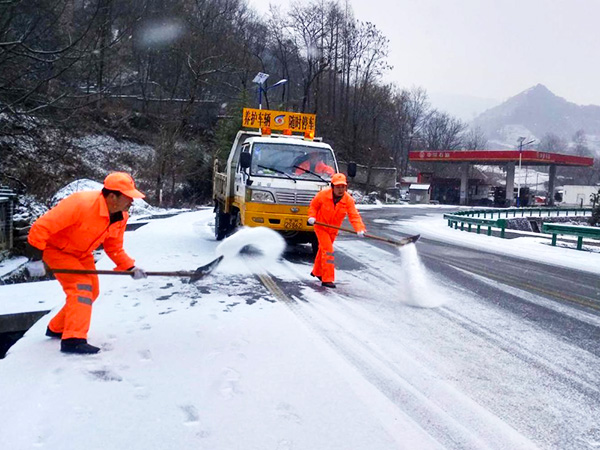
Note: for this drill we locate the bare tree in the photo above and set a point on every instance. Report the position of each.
(443, 132)
(553, 143)
(580, 144)
(474, 139)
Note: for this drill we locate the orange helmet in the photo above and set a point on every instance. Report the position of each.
(122, 182)
(339, 178)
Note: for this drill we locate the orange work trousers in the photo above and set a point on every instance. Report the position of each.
(324, 266)
(73, 320)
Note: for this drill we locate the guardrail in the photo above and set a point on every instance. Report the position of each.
(526, 212)
(493, 218)
(455, 219)
(573, 230)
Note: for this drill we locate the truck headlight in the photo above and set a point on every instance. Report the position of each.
(262, 197)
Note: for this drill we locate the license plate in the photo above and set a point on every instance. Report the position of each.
(292, 224)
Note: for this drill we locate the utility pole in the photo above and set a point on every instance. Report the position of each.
(521, 139)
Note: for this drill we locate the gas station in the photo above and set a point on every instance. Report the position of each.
(505, 158)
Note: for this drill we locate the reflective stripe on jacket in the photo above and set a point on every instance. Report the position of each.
(322, 208)
(78, 224)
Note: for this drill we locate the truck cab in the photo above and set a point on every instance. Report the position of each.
(269, 181)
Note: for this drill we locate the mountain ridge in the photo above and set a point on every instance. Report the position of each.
(535, 112)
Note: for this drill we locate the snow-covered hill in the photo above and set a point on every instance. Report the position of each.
(536, 112)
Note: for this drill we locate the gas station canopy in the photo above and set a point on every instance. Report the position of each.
(528, 157)
(507, 158)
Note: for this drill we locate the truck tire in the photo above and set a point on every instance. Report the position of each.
(222, 224)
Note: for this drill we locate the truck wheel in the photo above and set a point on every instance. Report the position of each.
(222, 224)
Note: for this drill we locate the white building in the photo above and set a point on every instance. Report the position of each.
(574, 195)
(419, 193)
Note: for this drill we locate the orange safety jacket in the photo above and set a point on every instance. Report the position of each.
(319, 167)
(322, 208)
(78, 225)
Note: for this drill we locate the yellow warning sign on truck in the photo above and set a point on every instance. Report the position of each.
(278, 120)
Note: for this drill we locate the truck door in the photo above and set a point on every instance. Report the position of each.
(241, 176)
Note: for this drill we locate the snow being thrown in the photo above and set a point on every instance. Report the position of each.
(418, 290)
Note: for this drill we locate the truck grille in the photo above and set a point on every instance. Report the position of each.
(295, 198)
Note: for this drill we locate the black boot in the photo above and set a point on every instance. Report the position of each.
(313, 275)
(75, 345)
(53, 334)
(328, 284)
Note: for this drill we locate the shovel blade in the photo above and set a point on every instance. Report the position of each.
(204, 270)
(409, 240)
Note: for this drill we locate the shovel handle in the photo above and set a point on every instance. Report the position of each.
(195, 275)
(370, 236)
(122, 272)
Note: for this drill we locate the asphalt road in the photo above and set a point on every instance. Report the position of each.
(516, 348)
(570, 288)
(581, 289)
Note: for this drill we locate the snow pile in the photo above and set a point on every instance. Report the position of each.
(139, 206)
(76, 186)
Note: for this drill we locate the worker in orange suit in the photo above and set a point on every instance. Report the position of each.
(314, 164)
(66, 236)
(331, 206)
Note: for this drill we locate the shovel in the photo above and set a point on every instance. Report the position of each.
(400, 243)
(194, 275)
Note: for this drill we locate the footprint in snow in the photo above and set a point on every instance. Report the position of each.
(191, 414)
(284, 444)
(141, 392)
(229, 385)
(145, 355)
(286, 412)
(106, 346)
(105, 375)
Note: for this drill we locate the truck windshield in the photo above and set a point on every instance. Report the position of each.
(284, 160)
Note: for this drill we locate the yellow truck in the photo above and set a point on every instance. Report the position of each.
(270, 179)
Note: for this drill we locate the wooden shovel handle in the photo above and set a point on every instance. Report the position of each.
(179, 273)
(370, 236)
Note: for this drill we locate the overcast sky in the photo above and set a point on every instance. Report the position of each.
(490, 49)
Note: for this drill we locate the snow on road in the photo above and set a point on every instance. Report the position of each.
(259, 356)
(528, 247)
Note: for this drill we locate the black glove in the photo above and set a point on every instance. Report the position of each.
(33, 253)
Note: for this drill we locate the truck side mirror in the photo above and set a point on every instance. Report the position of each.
(245, 160)
(351, 170)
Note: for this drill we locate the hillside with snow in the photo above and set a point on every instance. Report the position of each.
(536, 112)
